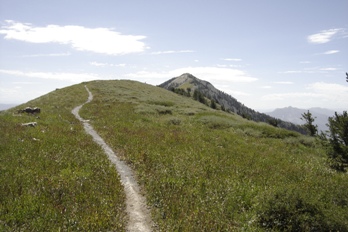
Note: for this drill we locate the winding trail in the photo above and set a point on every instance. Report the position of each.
(139, 215)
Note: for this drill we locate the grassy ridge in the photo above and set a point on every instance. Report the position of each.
(53, 176)
(201, 169)
(205, 170)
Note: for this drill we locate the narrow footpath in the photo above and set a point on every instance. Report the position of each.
(139, 215)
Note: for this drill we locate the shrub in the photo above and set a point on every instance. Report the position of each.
(174, 121)
(304, 140)
(215, 122)
(288, 211)
(162, 103)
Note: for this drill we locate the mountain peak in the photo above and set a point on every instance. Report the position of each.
(187, 84)
(186, 77)
(185, 81)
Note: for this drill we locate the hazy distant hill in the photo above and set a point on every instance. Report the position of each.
(292, 114)
(187, 84)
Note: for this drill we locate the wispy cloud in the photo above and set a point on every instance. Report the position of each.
(335, 94)
(62, 76)
(231, 59)
(329, 88)
(330, 95)
(328, 69)
(98, 40)
(238, 93)
(284, 82)
(310, 70)
(171, 52)
(98, 64)
(49, 55)
(323, 36)
(286, 96)
(293, 71)
(266, 87)
(213, 74)
(331, 52)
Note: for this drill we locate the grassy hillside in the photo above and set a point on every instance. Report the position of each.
(53, 176)
(201, 169)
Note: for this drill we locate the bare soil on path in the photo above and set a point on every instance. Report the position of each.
(139, 214)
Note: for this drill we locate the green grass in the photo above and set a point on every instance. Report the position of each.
(54, 177)
(200, 169)
(211, 171)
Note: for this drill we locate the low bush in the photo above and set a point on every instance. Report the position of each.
(174, 121)
(162, 103)
(215, 122)
(288, 211)
(304, 140)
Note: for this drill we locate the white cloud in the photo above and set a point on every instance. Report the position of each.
(98, 64)
(98, 40)
(328, 95)
(286, 96)
(71, 77)
(329, 89)
(310, 70)
(237, 93)
(292, 72)
(335, 94)
(171, 52)
(331, 52)
(323, 36)
(266, 87)
(328, 69)
(284, 82)
(232, 59)
(49, 55)
(211, 74)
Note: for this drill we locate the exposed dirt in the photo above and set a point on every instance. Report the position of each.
(139, 215)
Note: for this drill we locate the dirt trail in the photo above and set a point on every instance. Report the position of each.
(139, 215)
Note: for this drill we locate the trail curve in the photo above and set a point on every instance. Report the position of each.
(139, 215)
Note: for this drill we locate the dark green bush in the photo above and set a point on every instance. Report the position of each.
(288, 211)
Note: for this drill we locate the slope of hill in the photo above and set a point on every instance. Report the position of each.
(188, 84)
(292, 114)
(200, 169)
(53, 176)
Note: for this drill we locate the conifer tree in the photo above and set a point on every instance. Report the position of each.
(213, 104)
(338, 141)
(309, 126)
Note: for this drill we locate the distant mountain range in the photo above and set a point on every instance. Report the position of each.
(292, 114)
(190, 86)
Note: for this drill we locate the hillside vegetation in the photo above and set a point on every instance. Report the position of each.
(53, 176)
(201, 169)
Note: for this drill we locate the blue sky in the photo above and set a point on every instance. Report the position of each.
(267, 54)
